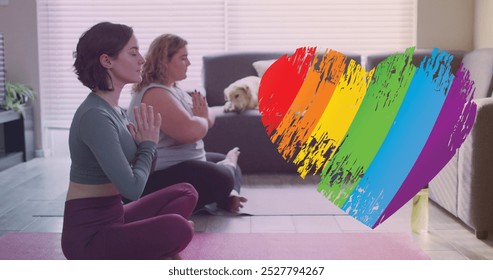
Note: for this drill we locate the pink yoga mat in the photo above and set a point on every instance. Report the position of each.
(303, 246)
(30, 246)
(246, 246)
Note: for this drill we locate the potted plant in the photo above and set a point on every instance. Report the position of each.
(16, 96)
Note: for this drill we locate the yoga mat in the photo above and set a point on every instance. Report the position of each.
(303, 200)
(281, 201)
(31, 246)
(303, 246)
(245, 246)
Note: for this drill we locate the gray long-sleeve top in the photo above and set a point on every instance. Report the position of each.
(103, 150)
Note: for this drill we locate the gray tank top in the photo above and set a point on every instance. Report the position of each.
(169, 150)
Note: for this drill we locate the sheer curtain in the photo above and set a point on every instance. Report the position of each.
(212, 26)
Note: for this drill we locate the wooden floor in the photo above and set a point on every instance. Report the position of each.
(32, 197)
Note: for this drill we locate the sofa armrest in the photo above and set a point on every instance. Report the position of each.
(475, 190)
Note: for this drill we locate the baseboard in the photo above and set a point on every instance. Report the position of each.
(11, 159)
(42, 153)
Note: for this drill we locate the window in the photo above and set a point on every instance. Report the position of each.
(212, 26)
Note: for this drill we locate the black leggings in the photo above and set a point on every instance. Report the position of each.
(212, 181)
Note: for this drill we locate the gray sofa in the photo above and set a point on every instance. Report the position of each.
(244, 130)
(464, 187)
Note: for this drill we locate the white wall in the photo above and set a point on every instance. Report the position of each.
(483, 24)
(446, 24)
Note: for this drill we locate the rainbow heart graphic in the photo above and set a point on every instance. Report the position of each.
(375, 137)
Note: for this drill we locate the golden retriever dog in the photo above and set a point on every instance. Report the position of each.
(242, 95)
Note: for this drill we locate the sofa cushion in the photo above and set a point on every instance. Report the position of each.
(262, 65)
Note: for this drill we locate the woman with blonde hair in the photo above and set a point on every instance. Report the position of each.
(186, 118)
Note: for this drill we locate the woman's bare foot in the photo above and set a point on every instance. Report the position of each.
(231, 157)
(233, 203)
(236, 202)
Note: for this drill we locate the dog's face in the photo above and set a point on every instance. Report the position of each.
(240, 99)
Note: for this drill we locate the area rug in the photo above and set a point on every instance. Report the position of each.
(246, 246)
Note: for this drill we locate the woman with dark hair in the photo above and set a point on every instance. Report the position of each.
(112, 158)
(186, 119)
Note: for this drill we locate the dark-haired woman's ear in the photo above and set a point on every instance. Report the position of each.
(105, 61)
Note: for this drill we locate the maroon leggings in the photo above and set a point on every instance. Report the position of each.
(152, 227)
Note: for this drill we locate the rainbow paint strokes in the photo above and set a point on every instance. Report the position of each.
(375, 137)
